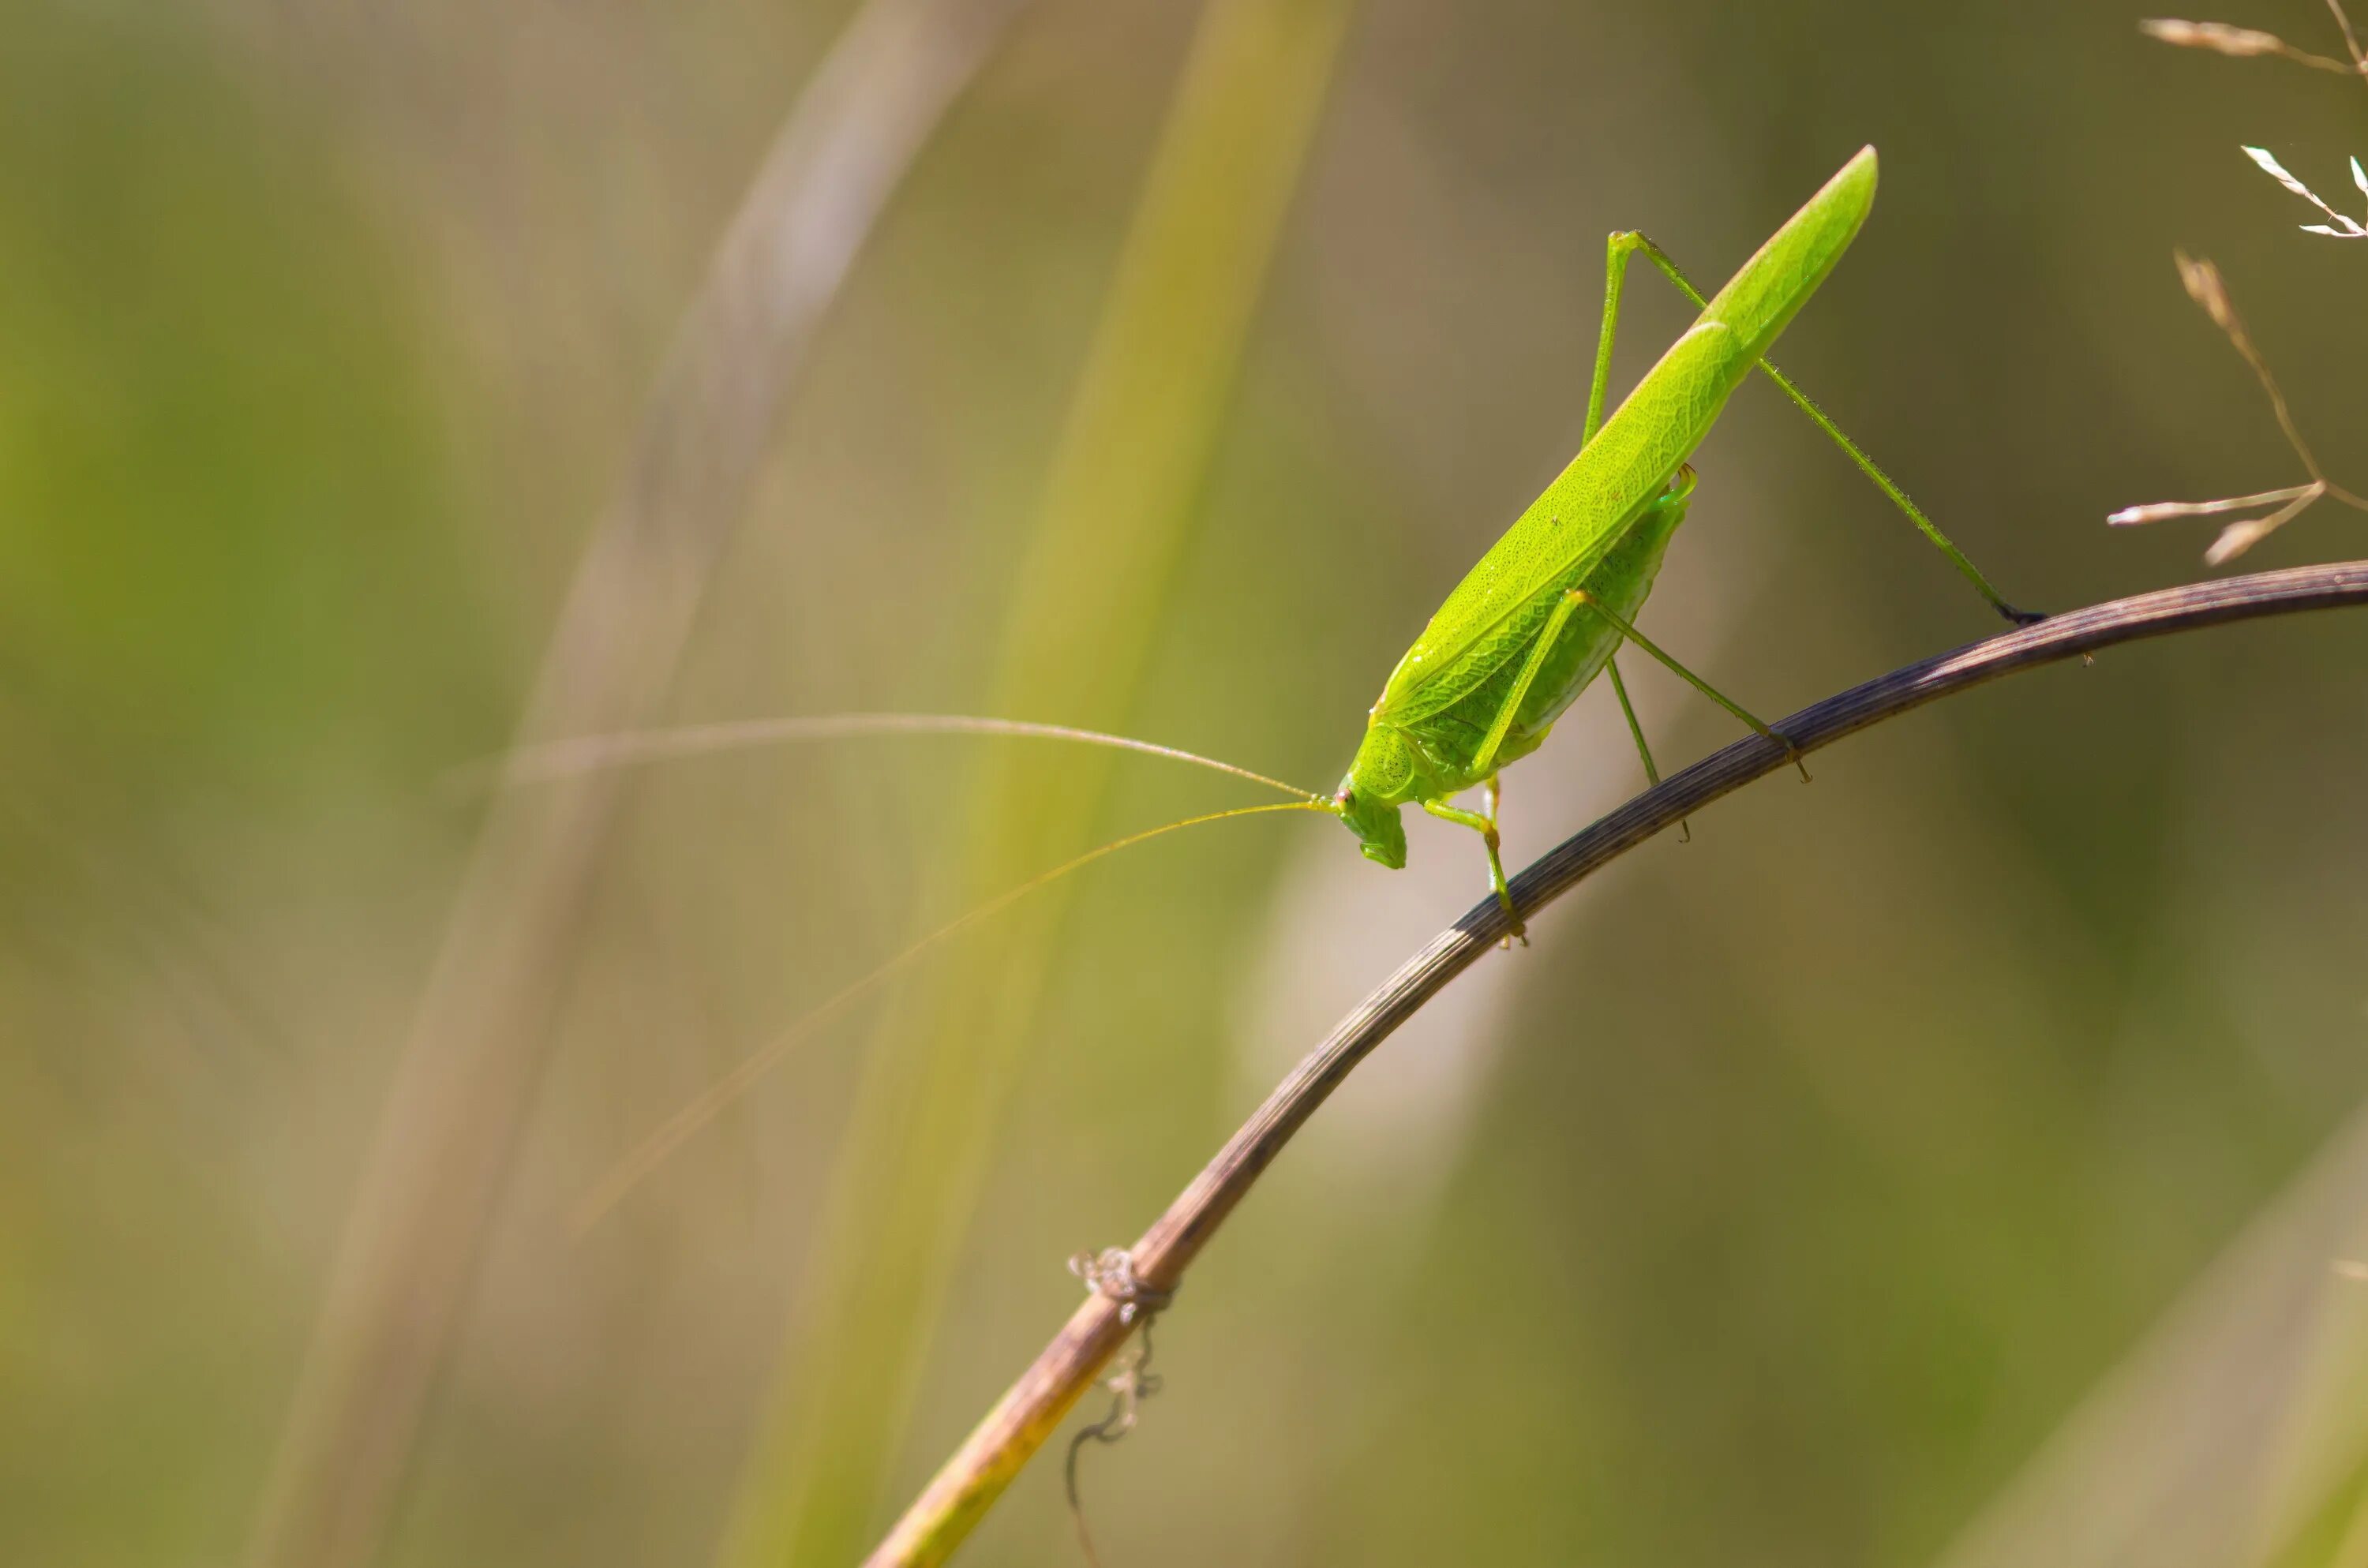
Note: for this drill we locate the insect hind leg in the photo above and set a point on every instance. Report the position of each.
(1629, 242)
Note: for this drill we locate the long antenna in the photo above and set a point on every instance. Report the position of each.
(671, 1134)
(588, 754)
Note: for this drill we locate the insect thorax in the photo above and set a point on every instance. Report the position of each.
(1387, 770)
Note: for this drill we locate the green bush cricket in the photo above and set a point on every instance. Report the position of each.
(1544, 611)
(1512, 646)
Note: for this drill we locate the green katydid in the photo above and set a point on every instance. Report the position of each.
(1546, 607)
(1517, 641)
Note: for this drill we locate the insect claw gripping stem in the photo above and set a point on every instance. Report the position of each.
(1519, 933)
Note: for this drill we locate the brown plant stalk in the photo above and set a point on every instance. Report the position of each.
(989, 1460)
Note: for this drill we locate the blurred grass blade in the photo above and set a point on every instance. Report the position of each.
(2237, 1435)
(467, 1075)
(1087, 596)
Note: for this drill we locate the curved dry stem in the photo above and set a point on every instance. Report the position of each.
(970, 1482)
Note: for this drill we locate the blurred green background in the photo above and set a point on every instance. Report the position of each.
(1789, 1202)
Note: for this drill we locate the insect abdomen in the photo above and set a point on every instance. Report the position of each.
(1448, 739)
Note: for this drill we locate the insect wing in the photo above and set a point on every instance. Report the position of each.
(1568, 530)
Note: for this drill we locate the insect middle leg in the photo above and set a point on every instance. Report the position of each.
(1628, 242)
(1636, 733)
(1585, 600)
(1572, 602)
(1557, 622)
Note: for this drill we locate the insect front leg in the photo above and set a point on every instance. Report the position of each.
(1485, 826)
(1629, 242)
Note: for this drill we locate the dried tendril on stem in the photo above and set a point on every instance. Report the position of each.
(1111, 1272)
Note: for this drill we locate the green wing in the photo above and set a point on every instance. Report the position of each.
(1568, 530)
